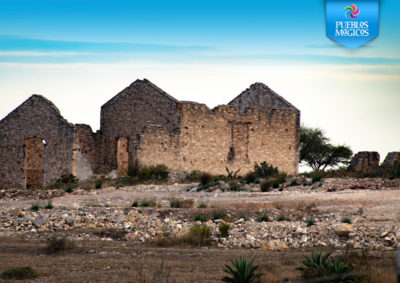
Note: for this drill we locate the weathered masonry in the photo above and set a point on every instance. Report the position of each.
(35, 145)
(143, 125)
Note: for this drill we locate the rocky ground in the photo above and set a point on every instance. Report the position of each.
(279, 220)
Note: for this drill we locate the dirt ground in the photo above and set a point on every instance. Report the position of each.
(113, 261)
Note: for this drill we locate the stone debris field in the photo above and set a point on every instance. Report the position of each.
(275, 220)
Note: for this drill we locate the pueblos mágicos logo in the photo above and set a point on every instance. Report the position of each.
(351, 11)
(352, 24)
(352, 28)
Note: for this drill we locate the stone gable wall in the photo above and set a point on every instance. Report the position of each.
(206, 137)
(36, 117)
(136, 107)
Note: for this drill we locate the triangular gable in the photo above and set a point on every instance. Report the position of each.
(260, 96)
(136, 88)
(34, 100)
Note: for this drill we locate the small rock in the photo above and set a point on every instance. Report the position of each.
(384, 234)
(343, 229)
(39, 221)
(69, 220)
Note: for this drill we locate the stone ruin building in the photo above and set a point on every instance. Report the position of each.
(365, 161)
(143, 125)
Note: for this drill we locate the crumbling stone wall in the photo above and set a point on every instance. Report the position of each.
(84, 157)
(364, 161)
(36, 118)
(145, 125)
(125, 115)
(211, 140)
(392, 158)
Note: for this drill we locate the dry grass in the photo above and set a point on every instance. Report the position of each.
(181, 203)
(198, 235)
(58, 244)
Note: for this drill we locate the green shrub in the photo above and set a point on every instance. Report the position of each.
(200, 217)
(156, 173)
(98, 183)
(218, 215)
(224, 230)
(241, 271)
(148, 203)
(49, 205)
(394, 172)
(133, 170)
(325, 269)
(282, 217)
(67, 179)
(173, 203)
(207, 186)
(199, 235)
(243, 216)
(135, 204)
(205, 178)
(307, 184)
(262, 218)
(235, 187)
(193, 176)
(20, 273)
(250, 177)
(126, 181)
(264, 170)
(202, 205)
(310, 222)
(69, 189)
(293, 182)
(58, 244)
(265, 185)
(316, 177)
(35, 207)
(346, 220)
(280, 179)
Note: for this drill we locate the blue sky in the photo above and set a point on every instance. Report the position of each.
(81, 53)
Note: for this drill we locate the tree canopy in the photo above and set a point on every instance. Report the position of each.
(318, 153)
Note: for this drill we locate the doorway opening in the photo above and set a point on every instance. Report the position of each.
(34, 162)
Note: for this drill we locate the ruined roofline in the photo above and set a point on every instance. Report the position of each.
(40, 98)
(222, 107)
(81, 125)
(268, 91)
(133, 85)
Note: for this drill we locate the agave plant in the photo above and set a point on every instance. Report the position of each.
(241, 271)
(394, 172)
(323, 268)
